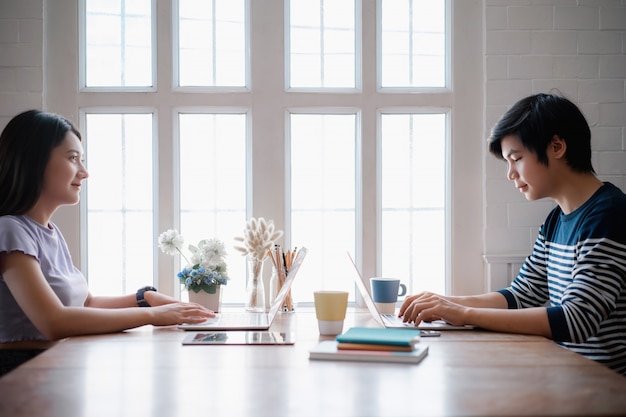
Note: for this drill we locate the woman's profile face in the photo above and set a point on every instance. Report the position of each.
(64, 173)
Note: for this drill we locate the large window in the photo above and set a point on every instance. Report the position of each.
(413, 198)
(323, 197)
(117, 48)
(413, 40)
(212, 43)
(212, 182)
(322, 43)
(119, 204)
(309, 113)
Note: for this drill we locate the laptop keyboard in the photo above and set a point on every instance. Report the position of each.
(395, 321)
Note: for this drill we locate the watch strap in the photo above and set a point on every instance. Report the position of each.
(141, 301)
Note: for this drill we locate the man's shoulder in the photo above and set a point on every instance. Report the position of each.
(605, 216)
(611, 193)
(609, 200)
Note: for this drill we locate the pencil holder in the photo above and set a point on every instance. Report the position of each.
(276, 284)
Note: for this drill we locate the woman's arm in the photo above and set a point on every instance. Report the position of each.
(28, 286)
(130, 300)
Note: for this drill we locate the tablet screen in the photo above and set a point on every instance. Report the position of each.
(239, 338)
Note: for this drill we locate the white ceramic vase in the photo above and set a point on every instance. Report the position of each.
(208, 300)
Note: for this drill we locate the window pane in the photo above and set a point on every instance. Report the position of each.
(322, 44)
(118, 43)
(119, 202)
(323, 200)
(213, 187)
(212, 43)
(413, 43)
(413, 199)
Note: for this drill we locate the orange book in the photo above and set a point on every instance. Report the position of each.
(372, 346)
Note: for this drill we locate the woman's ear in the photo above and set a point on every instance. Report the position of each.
(558, 147)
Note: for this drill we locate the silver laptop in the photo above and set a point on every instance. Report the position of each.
(393, 321)
(247, 320)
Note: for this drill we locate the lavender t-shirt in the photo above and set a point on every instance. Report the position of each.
(48, 247)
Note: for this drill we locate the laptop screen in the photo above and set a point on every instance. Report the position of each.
(369, 302)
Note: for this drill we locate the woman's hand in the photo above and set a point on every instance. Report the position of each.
(427, 306)
(179, 313)
(182, 312)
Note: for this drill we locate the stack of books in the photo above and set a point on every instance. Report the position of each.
(373, 345)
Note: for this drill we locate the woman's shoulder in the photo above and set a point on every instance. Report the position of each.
(18, 228)
(10, 221)
(23, 221)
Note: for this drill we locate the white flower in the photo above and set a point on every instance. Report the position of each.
(258, 238)
(171, 241)
(212, 251)
(206, 267)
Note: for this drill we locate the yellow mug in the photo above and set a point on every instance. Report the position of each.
(330, 310)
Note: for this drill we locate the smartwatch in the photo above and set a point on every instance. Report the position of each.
(141, 302)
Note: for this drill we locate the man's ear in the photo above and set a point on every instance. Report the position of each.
(558, 147)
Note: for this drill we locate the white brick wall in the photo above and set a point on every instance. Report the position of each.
(21, 57)
(531, 46)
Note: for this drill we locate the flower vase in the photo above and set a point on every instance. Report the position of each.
(255, 290)
(212, 301)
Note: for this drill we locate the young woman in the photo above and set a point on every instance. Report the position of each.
(43, 297)
(572, 288)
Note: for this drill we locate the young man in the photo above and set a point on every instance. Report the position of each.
(572, 287)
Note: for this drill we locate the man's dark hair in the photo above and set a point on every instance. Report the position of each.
(536, 119)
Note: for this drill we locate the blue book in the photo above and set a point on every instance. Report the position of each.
(380, 336)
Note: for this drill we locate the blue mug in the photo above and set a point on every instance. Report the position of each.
(386, 290)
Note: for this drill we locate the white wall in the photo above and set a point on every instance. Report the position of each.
(21, 57)
(578, 47)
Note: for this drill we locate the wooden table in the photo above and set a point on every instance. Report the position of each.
(147, 372)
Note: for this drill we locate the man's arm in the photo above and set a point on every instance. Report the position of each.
(532, 320)
(488, 311)
(488, 300)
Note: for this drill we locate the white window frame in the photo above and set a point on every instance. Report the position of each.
(176, 169)
(83, 112)
(447, 181)
(206, 89)
(358, 48)
(448, 89)
(82, 75)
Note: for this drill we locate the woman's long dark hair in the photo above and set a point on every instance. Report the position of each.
(26, 144)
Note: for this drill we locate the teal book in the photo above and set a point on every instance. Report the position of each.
(380, 336)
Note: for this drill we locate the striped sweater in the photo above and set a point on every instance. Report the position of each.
(578, 269)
